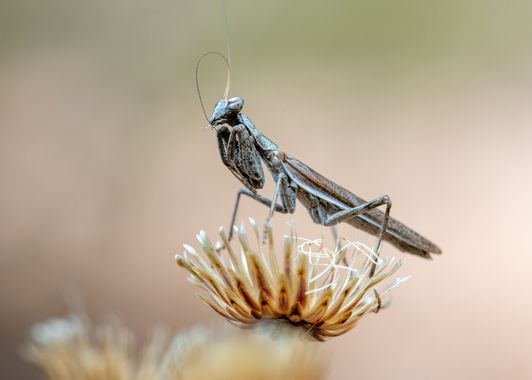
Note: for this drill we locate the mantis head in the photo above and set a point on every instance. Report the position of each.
(225, 110)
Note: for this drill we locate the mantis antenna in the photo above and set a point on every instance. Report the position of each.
(227, 61)
(227, 42)
(227, 83)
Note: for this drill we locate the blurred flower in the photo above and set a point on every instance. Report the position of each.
(204, 355)
(70, 348)
(323, 291)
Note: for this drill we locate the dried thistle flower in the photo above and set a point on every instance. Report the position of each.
(324, 291)
(203, 355)
(71, 348)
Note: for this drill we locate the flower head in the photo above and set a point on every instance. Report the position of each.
(324, 291)
(202, 354)
(72, 348)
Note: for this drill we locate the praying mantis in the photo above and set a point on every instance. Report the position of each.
(244, 150)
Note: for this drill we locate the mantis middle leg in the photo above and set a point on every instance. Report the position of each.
(344, 215)
(259, 198)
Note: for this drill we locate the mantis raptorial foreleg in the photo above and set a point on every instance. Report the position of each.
(223, 135)
(238, 153)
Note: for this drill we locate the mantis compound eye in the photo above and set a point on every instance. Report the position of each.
(235, 104)
(225, 109)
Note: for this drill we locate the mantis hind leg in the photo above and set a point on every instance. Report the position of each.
(337, 247)
(344, 215)
(347, 214)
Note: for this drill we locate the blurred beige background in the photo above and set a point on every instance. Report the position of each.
(106, 166)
